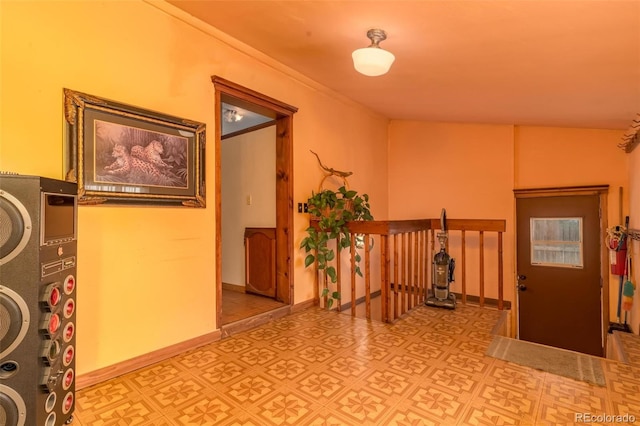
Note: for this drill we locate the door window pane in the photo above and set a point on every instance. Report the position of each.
(556, 241)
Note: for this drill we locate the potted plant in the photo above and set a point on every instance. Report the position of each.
(332, 210)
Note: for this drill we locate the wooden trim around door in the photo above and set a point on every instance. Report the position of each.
(561, 191)
(602, 192)
(225, 91)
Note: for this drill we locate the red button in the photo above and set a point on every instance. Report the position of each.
(68, 379)
(69, 307)
(54, 323)
(68, 402)
(68, 332)
(55, 296)
(69, 285)
(68, 355)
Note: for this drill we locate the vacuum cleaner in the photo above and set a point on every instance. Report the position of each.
(442, 272)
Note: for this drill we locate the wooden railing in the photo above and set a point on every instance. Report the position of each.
(404, 249)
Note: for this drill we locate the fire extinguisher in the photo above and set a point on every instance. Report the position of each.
(617, 244)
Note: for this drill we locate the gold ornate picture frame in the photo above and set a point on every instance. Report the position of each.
(121, 154)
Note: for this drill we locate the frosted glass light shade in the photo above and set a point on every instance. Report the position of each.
(372, 61)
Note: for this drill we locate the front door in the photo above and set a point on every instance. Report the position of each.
(559, 270)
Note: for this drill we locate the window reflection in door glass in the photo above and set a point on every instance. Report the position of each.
(556, 241)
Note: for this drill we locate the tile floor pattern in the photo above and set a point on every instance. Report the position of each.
(631, 347)
(319, 368)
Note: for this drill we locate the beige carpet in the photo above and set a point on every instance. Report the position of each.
(546, 358)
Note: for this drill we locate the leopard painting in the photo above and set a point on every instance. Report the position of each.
(151, 153)
(125, 164)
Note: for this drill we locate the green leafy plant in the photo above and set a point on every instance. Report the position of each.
(333, 209)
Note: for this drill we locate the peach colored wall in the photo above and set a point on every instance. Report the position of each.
(465, 168)
(333, 137)
(553, 157)
(480, 165)
(146, 275)
(634, 223)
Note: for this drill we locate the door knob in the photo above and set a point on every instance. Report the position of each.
(522, 287)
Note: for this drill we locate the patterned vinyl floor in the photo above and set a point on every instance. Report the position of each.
(321, 368)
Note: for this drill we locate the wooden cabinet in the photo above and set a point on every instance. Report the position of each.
(260, 261)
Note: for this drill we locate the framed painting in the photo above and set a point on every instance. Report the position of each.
(119, 153)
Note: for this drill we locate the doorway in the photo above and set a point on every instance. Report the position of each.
(562, 296)
(282, 117)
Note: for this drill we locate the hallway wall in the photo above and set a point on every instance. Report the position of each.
(471, 170)
(466, 169)
(146, 274)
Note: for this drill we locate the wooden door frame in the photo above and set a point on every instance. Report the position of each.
(602, 192)
(283, 115)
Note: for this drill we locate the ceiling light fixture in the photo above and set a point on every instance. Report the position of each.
(373, 60)
(231, 115)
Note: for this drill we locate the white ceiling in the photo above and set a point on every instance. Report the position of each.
(567, 63)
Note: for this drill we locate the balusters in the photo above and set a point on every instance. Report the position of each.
(405, 252)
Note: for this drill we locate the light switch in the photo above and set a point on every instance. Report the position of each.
(249, 200)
